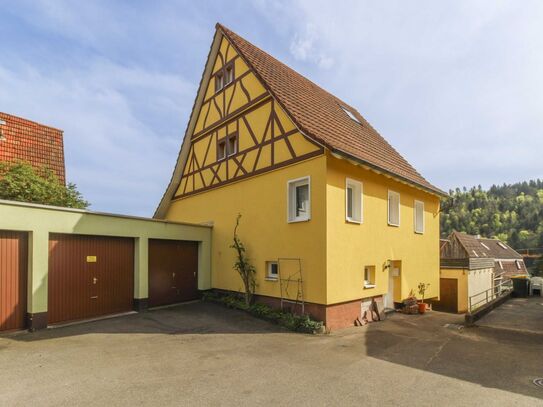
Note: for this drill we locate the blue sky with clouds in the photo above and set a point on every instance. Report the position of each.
(455, 86)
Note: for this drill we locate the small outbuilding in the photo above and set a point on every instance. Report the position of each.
(473, 271)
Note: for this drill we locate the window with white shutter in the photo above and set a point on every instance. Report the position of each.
(419, 217)
(393, 208)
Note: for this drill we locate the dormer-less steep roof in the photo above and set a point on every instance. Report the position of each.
(321, 115)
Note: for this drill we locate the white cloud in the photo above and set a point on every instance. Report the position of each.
(117, 159)
(456, 86)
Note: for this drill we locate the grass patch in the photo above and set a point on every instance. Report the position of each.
(293, 322)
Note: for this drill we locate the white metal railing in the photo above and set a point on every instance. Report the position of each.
(500, 289)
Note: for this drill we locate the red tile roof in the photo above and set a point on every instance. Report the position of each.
(39, 145)
(320, 116)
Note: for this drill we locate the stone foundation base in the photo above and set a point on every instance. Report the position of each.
(334, 316)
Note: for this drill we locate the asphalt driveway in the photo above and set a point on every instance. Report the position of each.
(203, 354)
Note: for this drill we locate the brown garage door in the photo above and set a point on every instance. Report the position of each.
(89, 276)
(13, 279)
(173, 271)
(448, 295)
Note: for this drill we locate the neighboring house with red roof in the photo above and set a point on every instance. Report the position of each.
(472, 266)
(332, 215)
(28, 141)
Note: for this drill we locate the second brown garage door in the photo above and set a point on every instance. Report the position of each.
(173, 271)
(89, 276)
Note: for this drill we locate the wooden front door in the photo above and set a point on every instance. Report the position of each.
(448, 295)
(173, 271)
(13, 279)
(89, 276)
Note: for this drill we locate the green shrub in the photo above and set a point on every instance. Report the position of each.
(299, 323)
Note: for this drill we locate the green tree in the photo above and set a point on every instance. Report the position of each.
(22, 182)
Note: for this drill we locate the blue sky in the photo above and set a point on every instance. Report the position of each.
(455, 86)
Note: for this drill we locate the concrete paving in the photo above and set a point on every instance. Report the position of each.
(523, 315)
(203, 354)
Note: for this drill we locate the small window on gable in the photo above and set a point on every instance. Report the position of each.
(350, 114)
(369, 276)
(232, 145)
(299, 200)
(419, 217)
(221, 150)
(272, 270)
(393, 208)
(228, 73)
(219, 81)
(353, 201)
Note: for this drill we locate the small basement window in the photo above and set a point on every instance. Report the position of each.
(393, 208)
(353, 201)
(419, 217)
(369, 276)
(272, 270)
(350, 114)
(221, 150)
(299, 200)
(232, 145)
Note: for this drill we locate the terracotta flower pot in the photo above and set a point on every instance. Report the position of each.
(422, 308)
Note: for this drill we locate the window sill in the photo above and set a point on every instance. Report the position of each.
(298, 220)
(356, 222)
(394, 225)
(419, 233)
(369, 286)
(272, 279)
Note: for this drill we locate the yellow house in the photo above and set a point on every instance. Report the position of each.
(331, 213)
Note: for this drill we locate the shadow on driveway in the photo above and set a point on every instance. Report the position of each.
(501, 360)
(191, 318)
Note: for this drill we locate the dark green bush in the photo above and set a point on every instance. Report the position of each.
(299, 323)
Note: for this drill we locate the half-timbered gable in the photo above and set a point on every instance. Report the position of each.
(240, 129)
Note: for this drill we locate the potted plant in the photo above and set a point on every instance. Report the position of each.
(422, 290)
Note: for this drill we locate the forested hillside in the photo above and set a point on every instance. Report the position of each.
(513, 213)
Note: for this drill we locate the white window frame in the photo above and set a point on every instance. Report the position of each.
(222, 153)
(393, 193)
(269, 274)
(358, 207)
(291, 199)
(369, 283)
(231, 151)
(420, 232)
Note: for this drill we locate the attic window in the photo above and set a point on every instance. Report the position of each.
(502, 245)
(228, 74)
(224, 76)
(350, 114)
(232, 145)
(221, 150)
(501, 264)
(518, 264)
(485, 246)
(219, 81)
(475, 253)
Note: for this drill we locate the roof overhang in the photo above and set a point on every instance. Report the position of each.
(372, 167)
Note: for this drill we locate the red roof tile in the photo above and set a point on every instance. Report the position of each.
(39, 145)
(320, 116)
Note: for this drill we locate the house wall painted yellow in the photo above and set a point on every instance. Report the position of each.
(262, 201)
(471, 283)
(352, 246)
